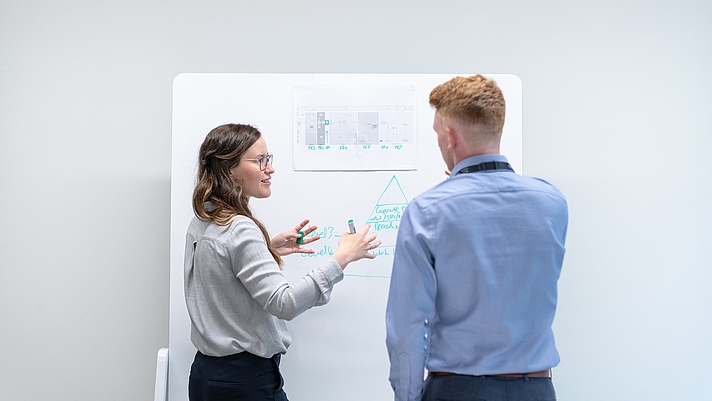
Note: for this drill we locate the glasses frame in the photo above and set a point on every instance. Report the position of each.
(262, 161)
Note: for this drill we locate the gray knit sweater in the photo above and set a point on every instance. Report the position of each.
(237, 297)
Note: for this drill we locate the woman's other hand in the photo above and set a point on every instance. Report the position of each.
(286, 243)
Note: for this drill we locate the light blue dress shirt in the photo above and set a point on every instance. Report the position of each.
(474, 282)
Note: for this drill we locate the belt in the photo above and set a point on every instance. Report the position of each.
(540, 374)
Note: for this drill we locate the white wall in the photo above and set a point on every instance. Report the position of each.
(616, 113)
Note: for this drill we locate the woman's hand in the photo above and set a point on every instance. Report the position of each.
(286, 243)
(353, 247)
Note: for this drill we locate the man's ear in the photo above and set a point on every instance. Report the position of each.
(453, 137)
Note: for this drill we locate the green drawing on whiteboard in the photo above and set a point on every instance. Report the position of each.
(386, 216)
(384, 220)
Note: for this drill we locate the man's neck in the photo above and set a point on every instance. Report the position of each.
(464, 155)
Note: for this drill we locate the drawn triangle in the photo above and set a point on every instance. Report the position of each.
(393, 194)
(386, 215)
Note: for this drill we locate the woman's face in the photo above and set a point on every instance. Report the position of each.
(255, 183)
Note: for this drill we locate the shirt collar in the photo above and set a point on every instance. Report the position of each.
(474, 160)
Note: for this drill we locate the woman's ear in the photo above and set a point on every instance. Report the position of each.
(233, 174)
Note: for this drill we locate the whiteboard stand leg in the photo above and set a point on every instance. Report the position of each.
(161, 375)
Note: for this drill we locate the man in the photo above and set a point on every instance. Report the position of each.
(474, 285)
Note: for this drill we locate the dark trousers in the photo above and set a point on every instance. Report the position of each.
(488, 388)
(238, 377)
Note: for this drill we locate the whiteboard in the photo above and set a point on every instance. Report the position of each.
(338, 348)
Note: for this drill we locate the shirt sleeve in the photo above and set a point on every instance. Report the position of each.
(411, 304)
(255, 267)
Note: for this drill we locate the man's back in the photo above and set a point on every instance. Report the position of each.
(485, 250)
(497, 242)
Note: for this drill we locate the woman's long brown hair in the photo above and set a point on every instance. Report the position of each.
(220, 152)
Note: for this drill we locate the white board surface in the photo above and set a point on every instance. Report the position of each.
(338, 350)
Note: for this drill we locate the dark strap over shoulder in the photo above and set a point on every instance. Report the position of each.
(487, 166)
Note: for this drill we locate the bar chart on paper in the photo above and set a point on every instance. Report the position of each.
(355, 127)
(344, 126)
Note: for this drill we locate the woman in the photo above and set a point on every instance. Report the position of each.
(237, 298)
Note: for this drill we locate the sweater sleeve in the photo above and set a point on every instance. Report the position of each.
(255, 267)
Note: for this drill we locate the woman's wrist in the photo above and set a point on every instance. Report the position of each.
(341, 259)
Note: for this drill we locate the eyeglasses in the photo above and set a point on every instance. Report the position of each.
(262, 161)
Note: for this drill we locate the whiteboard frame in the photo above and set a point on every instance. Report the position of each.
(341, 346)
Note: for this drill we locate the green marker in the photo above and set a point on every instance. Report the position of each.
(301, 237)
(352, 229)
